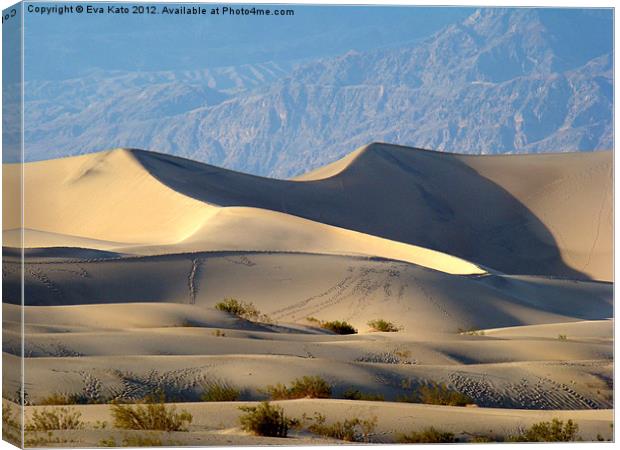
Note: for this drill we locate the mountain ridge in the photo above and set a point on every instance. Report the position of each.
(501, 81)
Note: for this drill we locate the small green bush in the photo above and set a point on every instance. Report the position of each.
(55, 399)
(310, 386)
(355, 394)
(554, 431)
(277, 392)
(55, 419)
(235, 307)
(336, 326)
(429, 435)
(11, 431)
(383, 325)
(307, 386)
(439, 394)
(219, 391)
(339, 327)
(265, 420)
(150, 416)
(245, 310)
(351, 430)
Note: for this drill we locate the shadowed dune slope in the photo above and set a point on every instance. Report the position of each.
(532, 214)
(538, 214)
(290, 287)
(107, 201)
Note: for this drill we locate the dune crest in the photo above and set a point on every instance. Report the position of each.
(514, 214)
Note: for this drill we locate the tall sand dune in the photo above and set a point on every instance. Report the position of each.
(535, 214)
(494, 270)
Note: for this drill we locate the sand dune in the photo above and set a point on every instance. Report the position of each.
(292, 286)
(71, 196)
(492, 211)
(500, 290)
(210, 426)
(484, 209)
(146, 217)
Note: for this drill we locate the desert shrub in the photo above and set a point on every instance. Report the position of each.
(307, 386)
(219, 391)
(310, 386)
(11, 431)
(351, 430)
(355, 394)
(245, 310)
(55, 419)
(554, 431)
(264, 420)
(150, 416)
(235, 307)
(336, 326)
(277, 392)
(383, 325)
(439, 394)
(55, 399)
(562, 337)
(429, 435)
(218, 333)
(339, 327)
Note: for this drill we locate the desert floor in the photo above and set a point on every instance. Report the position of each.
(496, 270)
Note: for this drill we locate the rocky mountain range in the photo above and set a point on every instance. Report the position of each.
(500, 81)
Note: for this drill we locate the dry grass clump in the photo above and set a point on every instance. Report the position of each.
(336, 326)
(437, 394)
(351, 430)
(265, 420)
(245, 310)
(150, 416)
(55, 419)
(383, 325)
(11, 430)
(356, 394)
(554, 431)
(305, 387)
(56, 399)
(219, 391)
(429, 435)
